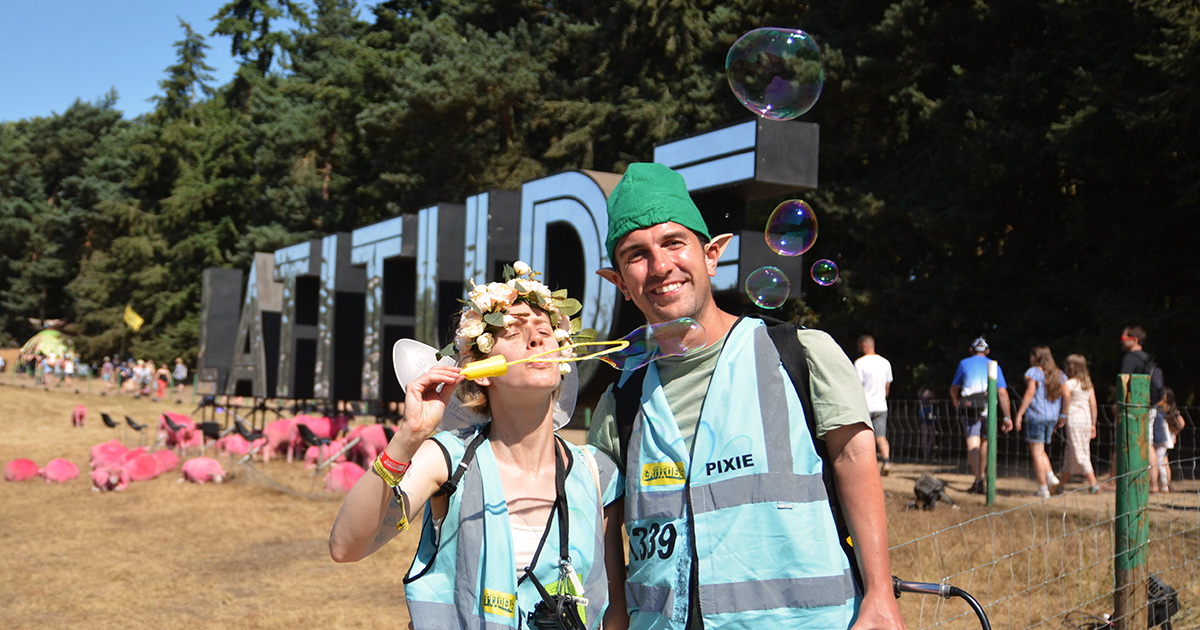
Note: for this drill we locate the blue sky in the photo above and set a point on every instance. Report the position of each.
(54, 51)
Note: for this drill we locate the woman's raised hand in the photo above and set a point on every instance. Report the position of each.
(425, 400)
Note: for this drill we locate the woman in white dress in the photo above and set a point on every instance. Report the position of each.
(1081, 423)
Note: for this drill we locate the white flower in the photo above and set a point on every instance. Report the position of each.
(521, 268)
(502, 294)
(564, 368)
(472, 325)
(509, 320)
(481, 298)
(561, 335)
(485, 342)
(543, 292)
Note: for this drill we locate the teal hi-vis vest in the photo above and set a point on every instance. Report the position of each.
(464, 575)
(747, 506)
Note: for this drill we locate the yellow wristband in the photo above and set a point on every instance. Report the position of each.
(403, 524)
(391, 480)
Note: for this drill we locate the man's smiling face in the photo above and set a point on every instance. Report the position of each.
(665, 270)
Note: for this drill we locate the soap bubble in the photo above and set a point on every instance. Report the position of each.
(776, 72)
(792, 228)
(654, 341)
(768, 287)
(825, 272)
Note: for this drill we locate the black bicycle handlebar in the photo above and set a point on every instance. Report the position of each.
(945, 591)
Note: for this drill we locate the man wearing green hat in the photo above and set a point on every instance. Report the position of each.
(729, 521)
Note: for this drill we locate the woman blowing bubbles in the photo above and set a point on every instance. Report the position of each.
(505, 493)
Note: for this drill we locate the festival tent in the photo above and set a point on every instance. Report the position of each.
(46, 343)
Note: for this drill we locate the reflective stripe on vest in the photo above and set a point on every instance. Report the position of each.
(767, 546)
(465, 577)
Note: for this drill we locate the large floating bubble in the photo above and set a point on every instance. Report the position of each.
(768, 287)
(776, 72)
(792, 228)
(825, 272)
(655, 341)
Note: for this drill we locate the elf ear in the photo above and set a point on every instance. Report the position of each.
(714, 250)
(613, 276)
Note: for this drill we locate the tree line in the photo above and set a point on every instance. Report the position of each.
(1023, 170)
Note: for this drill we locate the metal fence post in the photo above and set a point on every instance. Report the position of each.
(1130, 528)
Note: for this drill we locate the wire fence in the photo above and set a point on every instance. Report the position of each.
(1048, 564)
(935, 436)
(1045, 563)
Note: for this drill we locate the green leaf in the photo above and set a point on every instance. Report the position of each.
(495, 318)
(569, 306)
(448, 351)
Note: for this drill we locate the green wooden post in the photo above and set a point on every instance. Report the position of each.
(1131, 529)
(990, 473)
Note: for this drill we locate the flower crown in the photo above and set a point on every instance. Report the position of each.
(486, 312)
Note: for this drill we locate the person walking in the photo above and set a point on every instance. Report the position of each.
(1166, 424)
(730, 521)
(1046, 399)
(875, 373)
(1081, 424)
(968, 394)
(180, 375)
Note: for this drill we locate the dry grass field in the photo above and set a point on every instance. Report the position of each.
(251, 552)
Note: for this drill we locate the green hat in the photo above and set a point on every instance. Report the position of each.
(647, 195)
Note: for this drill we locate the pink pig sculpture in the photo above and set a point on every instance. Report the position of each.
(282, 437)
(20, 470)
(203, 470)
(167, 460)
(59, 470)
(343, 476)
(108, 454)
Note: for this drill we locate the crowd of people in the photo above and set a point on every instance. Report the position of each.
(1053, 400)
(142, 377)
(52, 370)
(133, 377)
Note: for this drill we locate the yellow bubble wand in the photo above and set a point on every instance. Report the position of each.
(498, 365)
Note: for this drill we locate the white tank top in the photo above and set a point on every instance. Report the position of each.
(525, 543)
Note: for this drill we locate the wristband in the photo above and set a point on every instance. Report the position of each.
(403, 524)
(392, 480)
(393, 466)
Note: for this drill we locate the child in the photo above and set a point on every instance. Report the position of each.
(1167, 423)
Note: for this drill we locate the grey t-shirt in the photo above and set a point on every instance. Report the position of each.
(837, 394)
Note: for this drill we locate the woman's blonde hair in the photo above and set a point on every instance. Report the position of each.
(1042, 358)
(1076, 368)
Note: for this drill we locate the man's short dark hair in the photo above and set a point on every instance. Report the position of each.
(1137, 332)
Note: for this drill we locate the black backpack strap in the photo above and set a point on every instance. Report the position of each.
(451, 484)
(628, 398)
(795, 362)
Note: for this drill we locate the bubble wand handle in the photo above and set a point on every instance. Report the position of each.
(498, 365)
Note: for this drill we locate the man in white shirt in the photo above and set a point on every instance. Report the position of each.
(875, 372)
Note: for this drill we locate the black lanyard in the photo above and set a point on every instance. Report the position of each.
(559, 510)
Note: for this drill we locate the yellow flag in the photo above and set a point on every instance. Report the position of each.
(132, 319)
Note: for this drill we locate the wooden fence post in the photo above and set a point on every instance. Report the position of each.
(1130, 528)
